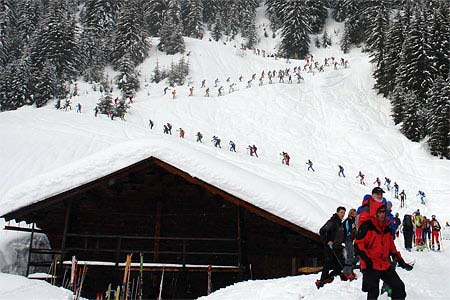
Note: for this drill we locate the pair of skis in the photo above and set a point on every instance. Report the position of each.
(136, 293)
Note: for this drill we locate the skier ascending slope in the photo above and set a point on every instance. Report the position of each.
(361, 178)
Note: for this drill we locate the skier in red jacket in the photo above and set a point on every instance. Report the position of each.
(375, 244)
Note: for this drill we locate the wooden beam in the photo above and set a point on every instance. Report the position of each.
(23, 229)
(66, 225)
(29, 251)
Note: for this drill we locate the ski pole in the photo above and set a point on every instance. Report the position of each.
(339, 262)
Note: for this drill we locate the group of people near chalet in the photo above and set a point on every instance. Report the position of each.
(265, 76)
(367, 235)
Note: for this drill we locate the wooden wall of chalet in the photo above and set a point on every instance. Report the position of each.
(153, 202)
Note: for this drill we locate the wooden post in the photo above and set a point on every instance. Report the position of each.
(239, 242)
(29, 252)
(294, 266)
(157, 231)
(63, 242)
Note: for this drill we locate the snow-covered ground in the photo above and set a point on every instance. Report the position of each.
(13, 287)
(331, 118)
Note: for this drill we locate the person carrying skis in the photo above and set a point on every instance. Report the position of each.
(377, 182)
(150, 123)
(436, 228)
(402, 199)
(310, 165)
(361, 178)
(395, 190)
(181, 131)
(199, 137)
(374, 243)
(216, 141)
(341, 171)
(332, 236)
(232, 146)
(387, 183)
(349, 236)
(408, 231)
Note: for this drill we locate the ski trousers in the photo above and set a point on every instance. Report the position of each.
(419, 237)
(349, 256)
(408, 236)
(435, 236)
(371, 283)
(331, 263)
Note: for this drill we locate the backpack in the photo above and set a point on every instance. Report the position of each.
(407, 223)
(418, 221)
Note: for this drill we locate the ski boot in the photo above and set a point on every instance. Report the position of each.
(321, 283)
(349, 277)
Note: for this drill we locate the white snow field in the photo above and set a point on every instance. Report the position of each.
(331, 118)
(13, 287)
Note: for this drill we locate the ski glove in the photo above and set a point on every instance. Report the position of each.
(404, 265)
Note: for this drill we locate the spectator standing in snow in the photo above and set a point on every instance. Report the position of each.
(96, 111)
(375, 244)
(349, 236)
(174, 94)
(332, 236)
(408, 231)
(79, 107)
(436, 228)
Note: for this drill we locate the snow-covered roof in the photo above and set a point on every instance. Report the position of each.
(207, 166)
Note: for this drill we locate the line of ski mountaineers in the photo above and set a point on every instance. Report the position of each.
(369, 233)
(309, 67)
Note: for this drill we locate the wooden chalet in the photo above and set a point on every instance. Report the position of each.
(180, 223)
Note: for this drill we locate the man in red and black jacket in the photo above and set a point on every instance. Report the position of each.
(374, 243)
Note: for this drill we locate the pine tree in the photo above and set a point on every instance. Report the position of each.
(346, 39)
(46, 84)
(128, 79)
(8, 34)
(376, 40)
(411, 126)
(157, 75)
(397, 98)
(326, 40)
(273, 11)
(154, 12)
(105, 104)
(317, 13)
(130, 39)
(171, 33)
(415, 69)
(56, 42)
(295, 29)
(194, 17)
(394, 41)
(440, 38)
(217, 31)
(439, 119)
